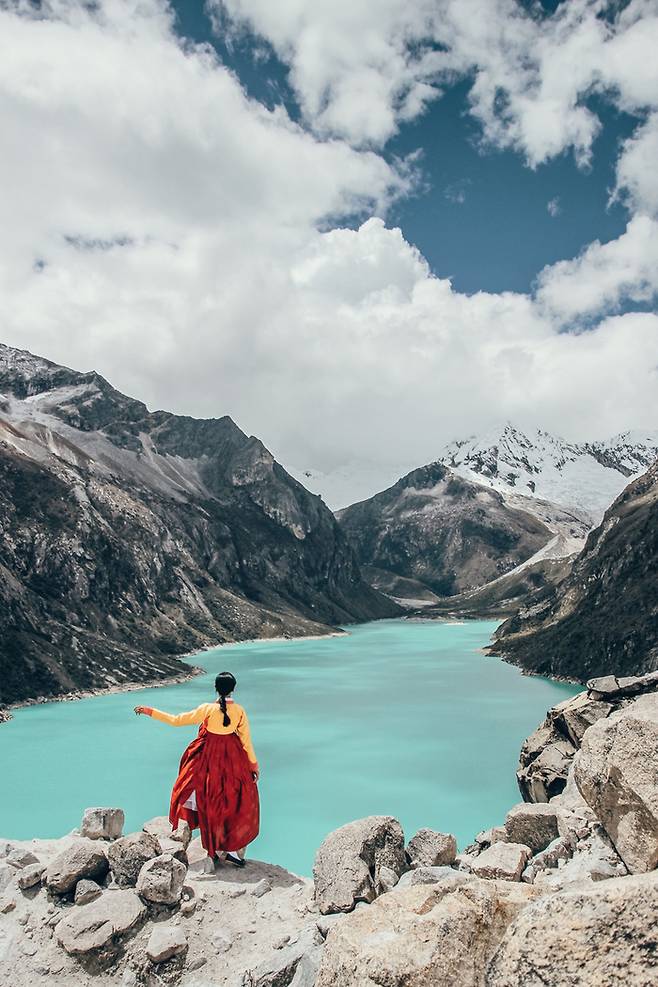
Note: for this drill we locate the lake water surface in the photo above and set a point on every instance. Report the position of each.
(406, 718)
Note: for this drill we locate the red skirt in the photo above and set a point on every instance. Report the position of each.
(216, 767)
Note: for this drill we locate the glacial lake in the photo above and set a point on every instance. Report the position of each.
(400, 717)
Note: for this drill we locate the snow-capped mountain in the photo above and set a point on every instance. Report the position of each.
(584, 478)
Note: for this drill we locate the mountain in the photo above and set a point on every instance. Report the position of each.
(434, 530)
(128, 537)
(583, 478)
(603, 619)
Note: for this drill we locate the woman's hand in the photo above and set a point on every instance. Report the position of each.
(143, 710)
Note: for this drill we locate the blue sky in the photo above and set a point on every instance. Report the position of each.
(480, 216)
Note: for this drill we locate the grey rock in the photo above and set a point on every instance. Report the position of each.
(279, 968)
(429, 848)
(496, 834)
(610, 687)
(99, 925)
(102, 823)
(534, 825)
(600, 935)
(261, 887)
(20, 858)
(307, 969)
(30, 876)
(160, 827)
(166, 940)
(128, 855)
(424, 936)
(81, 859)
(501, 861)
(222, 940)
(560, 849)
(161, 880)
(7, 875)
(616, 771)
(348, 863)
(593, 859)
(86, 891)
(431, 875)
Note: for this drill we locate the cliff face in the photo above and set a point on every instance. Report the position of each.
(603, 619)
(127, 537)
(446, 533)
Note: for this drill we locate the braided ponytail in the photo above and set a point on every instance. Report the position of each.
(225, 684)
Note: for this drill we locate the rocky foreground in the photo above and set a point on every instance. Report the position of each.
(563, 892)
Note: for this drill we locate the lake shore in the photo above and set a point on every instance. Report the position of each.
(187, 672)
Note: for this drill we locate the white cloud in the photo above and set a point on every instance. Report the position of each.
(165, 230)
(604, 275)
(553, 207)
(637, 168)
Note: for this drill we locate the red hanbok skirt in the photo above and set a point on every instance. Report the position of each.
(215, 767)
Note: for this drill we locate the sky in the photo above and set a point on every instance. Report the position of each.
(361, 229)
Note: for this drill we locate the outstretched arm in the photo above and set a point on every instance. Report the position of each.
(197, 715)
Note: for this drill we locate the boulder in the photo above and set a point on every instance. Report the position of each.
(497, 834)
(609, 687)
(534, 825)
(174, 847)
(160, 827)
(348, 863)
(30, 876)
(502, 861)
(86, 891)
(560, 849)
(573, 717)
(601, 935)
(7, 875)
(20, 858)
(82, 858)
(99, 925)
(279, 966)
(429, 848)
(616, 772)
(593, 859)
(545, 775)
(432, 875)
(161, 880)
(165, 941)
(128, 855)
(443, 934)
(102, 824)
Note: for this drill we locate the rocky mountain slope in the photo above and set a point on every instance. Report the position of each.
(562, 892)
(603, 619)
(127, 537)
(442, 532)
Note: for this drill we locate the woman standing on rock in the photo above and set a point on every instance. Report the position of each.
(216, 787)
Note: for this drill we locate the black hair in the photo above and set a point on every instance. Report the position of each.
(225, 684)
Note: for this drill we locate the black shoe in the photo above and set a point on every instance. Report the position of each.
(233, 859)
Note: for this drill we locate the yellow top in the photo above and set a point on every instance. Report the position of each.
(211, 712)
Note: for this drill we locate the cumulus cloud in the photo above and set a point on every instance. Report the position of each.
(190, 245)
(605, 275)
(553, 207)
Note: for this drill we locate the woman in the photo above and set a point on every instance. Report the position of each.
(216, 786)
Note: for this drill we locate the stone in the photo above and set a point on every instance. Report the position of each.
(174, 847)
(387, 879)
(429, 848)
(20, 858)
(601, 935)
(497, 834)
(280, 966)
(165, 941)
(611, 687)
(348, 863)
(307, 969)
(501, 861)
(222, 940)
(99, 925)
(128, 855)
(102, 823)
(86, 891)
(7, 904)
(594, 859)
(7, 875)
(616, 771)
(576, 715)
(81, 859)
(161, 880)
(30, 876)
(545, 775)
(420, 936)
(561, 848)
(160, 827)
(534, 825)
(432, 875)
(261, 887)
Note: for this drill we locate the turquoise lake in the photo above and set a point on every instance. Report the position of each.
(401, 717)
